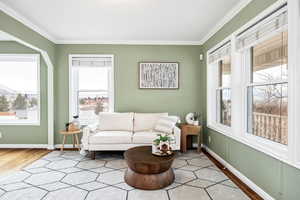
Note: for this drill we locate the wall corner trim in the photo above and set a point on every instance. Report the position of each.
(9, 11)
(242, 177)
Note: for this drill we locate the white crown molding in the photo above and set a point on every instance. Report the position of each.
(241, 176)
(230, 15)
(234, 11)
(11, 12)
(129, 42)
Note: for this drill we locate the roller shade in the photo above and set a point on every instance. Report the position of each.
(272, 23)
(91, 61)
(220, 53)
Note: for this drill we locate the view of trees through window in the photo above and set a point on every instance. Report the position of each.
(92, 93)
(18, 90)
(224, 92)
(268, 89)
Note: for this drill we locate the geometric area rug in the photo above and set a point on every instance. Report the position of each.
(71, 176)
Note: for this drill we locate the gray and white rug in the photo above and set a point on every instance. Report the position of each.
(69, 175)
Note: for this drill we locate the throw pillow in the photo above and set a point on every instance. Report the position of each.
(166, 124)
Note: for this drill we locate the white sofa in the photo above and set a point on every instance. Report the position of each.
(121, 131)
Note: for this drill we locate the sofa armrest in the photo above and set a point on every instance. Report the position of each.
(86, 133)
(177, 135)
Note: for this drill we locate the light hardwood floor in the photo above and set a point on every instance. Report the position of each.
(15, 159)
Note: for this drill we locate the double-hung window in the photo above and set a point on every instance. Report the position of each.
(220, 85)
(91, 86)
(264, 49)
(262, 83)
(19, 89)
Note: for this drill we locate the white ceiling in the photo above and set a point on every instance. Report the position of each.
(113, 21)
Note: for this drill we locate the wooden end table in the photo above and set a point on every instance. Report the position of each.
(146, 171)
(187, 129)
(74, 134)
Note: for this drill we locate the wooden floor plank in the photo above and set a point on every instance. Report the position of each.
(16, 159)
(245, 188)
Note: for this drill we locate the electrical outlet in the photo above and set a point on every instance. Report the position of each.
(209, 139)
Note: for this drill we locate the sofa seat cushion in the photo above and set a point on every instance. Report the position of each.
(111, 137)
(146, 121)
(144, 137)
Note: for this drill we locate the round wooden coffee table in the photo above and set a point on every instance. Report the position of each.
(146, 171)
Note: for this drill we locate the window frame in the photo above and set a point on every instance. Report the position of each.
(272, 148)
(219, 91)
(214, 86)
(110, 90)
(36, 57)
(290, 153)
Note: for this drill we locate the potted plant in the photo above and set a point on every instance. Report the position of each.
(162, 144)
(196, 118)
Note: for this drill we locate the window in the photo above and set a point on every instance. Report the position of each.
(267, 89)
(91, 87)
(224, 91)
(265, 51)
(261, 87)
(220, 69)
(19, 89)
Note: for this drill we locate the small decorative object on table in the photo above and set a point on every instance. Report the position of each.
(76, 122)
(162, 145)
(67, 126)
(193, 118)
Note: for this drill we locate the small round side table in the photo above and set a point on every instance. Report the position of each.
(74, 134)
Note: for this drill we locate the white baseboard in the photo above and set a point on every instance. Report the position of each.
(24, 146)
(34, 146)
(66, 146)
(242, 177)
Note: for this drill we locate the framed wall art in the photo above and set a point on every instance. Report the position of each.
(159, 75)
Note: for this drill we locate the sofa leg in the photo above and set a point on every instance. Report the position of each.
(93, 155)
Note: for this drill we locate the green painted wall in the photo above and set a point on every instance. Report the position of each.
(27, 134)
(275, 177)
(278, 179)
(19, 30)
(128, 97)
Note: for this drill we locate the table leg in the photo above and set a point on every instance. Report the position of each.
(183, 143)
(63, 143)
(199, 143)
(77, 141)
(200, 140)
(73, 136)
(93, 155)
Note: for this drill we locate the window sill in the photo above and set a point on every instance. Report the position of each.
(281, 153)
(225, 130)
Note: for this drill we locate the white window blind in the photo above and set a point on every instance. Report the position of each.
(221, 52)
(272, 23)
(91, 62)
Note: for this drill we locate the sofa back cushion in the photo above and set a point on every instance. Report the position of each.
(146, 121)
(116, 122)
